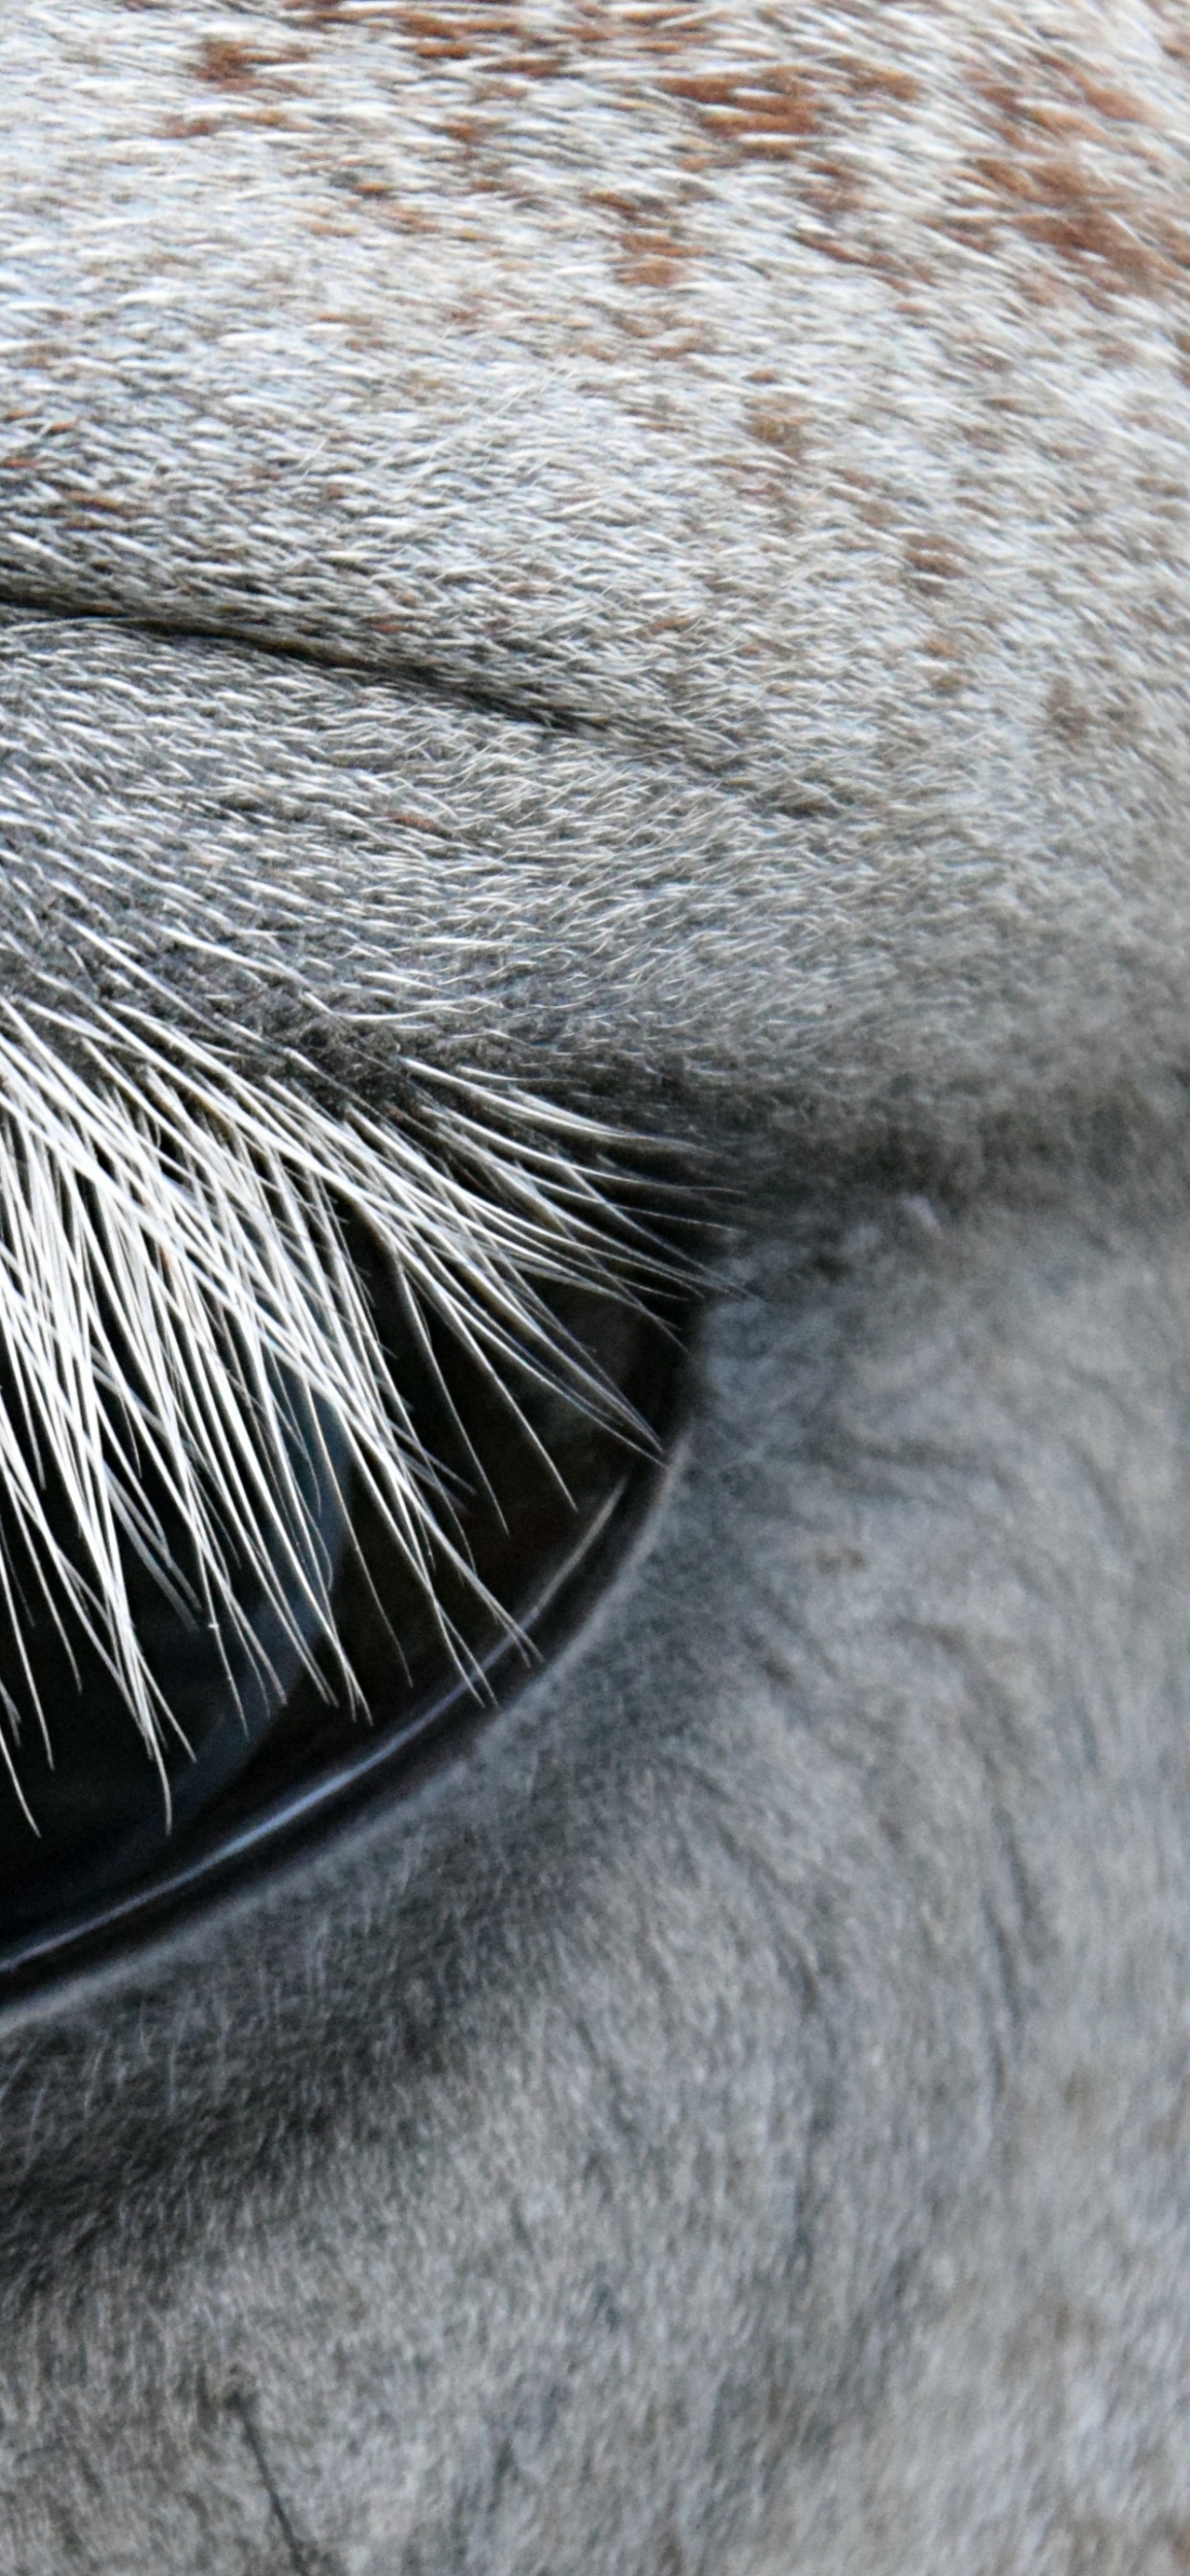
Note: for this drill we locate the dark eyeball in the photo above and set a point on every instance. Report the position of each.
(266, 1739)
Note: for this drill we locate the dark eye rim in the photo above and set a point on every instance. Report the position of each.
(442, 1733)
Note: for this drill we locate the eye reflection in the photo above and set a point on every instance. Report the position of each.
(267, 1740)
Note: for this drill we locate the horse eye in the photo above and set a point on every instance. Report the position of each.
(280, 1717)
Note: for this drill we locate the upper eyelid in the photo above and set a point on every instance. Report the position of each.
(726, 512)
(329, 862)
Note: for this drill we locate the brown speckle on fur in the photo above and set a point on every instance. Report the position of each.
(225, 63)
(779, 426)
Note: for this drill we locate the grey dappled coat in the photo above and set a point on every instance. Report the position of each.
(644, 548)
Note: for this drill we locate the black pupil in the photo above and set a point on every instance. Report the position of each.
(270, 1743)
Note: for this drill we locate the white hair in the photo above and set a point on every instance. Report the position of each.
(177, 1295)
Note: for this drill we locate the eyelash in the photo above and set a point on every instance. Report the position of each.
(181, 1311)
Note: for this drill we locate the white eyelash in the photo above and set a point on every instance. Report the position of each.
(143, 1179)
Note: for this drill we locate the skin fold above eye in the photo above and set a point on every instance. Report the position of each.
(791, 410)
(636, 556)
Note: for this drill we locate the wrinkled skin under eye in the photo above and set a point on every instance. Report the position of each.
(273, 1727)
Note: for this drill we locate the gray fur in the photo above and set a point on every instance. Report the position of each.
(645, 550)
